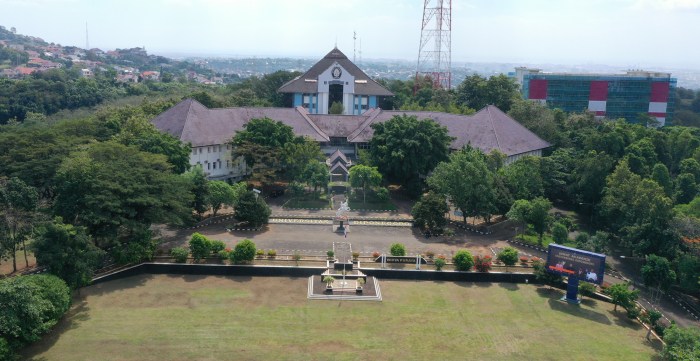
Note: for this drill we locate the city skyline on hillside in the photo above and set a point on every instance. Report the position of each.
(610, 32)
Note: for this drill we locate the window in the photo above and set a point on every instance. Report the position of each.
(208, 166)
(363, 145)
(228, 164)
(200, 150)
(208, 149)
(214, 165)
(194, 151)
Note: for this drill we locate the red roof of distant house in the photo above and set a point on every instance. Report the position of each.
(24, 70)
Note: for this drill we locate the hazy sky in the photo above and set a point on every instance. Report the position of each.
(629, 33)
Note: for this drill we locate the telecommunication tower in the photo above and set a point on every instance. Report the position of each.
(435, 51)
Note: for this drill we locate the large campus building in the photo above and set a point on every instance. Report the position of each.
(209, 131)
(335, 79)
(612, 96)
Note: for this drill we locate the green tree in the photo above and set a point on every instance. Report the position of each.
(429, 212)
(397, 249)
(118, 192)
(362, 176)
(18, 204)
(252, 209)
(463, 260)
(658, 273)
(689, 272)
(137, 130)
(243, 252)
(199, 188)
(539, 216)
(560, 233)
(298, 155)
(468, 181)
(622, 296)
(221, 193)
(67, 252)
(686, 188)
(200, 246)
(477, 92)
(404, 148)
(262, 143)
(509, 256)
(31, 306)
(660, 174)
(534, 213)
(315, 174)
(524, 178)
(682, 344)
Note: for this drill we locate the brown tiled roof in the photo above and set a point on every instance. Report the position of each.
(338, 155)
(490, 128)
(192, 122)
(341, 166)
(299, 85)
(337, 125)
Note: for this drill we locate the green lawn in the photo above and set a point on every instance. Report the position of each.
(161, 317)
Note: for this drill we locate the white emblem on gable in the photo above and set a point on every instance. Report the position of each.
(336, 72)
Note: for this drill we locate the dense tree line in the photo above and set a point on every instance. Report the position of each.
(687, 104)
(474, 93)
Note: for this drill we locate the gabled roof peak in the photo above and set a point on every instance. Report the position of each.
(335, 54)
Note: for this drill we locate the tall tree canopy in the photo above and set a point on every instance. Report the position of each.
(363, 176)
(404, 148)
(477, 92)
(262, 144)
(468, 181)
(68, 252)
(117, 192)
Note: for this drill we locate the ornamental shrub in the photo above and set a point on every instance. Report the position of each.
(330, 254)
(200, 246)
(375, 254)
(244, 252)
(260, 253)
(508, 256)
(398, 249)
(463, 260)
(180, 254)
(217, 246)
(482, 263)
(560, 233)
(430, 254)
(271, 253)
(439, 263)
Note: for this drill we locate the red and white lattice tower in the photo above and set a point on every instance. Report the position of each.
(435, 51)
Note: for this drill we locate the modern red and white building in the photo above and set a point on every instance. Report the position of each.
(627, 95)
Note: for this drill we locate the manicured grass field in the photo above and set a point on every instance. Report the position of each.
(159, 317)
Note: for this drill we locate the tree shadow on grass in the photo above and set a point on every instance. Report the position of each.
(114, 285)
(621, 319)
(575, 310)
(79, 313)
(549, 292)
(474, 284)
(510, 286)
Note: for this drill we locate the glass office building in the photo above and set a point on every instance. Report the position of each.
(612, 96)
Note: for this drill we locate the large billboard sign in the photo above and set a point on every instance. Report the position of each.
(572, 262)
